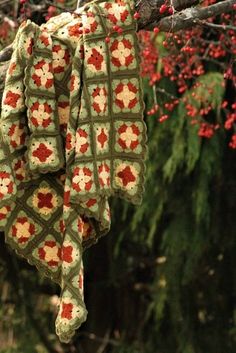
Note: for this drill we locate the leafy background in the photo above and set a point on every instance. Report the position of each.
(163, 280)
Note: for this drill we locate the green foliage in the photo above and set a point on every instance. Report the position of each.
(179, 221)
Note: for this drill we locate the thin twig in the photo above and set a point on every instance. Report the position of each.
(96, 338)
(105, 342)
(216, 26)
(161, 90)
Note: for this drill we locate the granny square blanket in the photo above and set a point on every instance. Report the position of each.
(72, 135)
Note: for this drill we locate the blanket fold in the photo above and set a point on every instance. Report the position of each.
(72, 135)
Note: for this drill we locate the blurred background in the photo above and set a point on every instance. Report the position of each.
(164, 279)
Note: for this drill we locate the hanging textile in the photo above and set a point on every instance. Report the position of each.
(72, 135)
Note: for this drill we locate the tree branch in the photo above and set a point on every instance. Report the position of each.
(6, 53)
(216, 26)
(189, 17)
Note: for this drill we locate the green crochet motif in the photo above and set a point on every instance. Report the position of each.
(72, 135)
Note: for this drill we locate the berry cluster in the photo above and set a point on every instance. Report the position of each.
(166, 8)
(184, 59)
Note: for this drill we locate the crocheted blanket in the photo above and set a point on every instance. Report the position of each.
(71, 135)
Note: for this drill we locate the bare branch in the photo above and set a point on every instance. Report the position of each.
(189, 17)
(6, 53)
(38, 8)
(81, 3)
(94, 337)
(216, 26)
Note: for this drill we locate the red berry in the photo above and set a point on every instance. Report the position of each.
(233, 106)
(120, 30)
(163, 8)
(52, 10)
(163, 118)
(171, 10)
(107, 39)
(115, 28)
(156, 30)
(165, 44)
(136, 15)
(234, 6)
(224, 104)
(22, 2)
